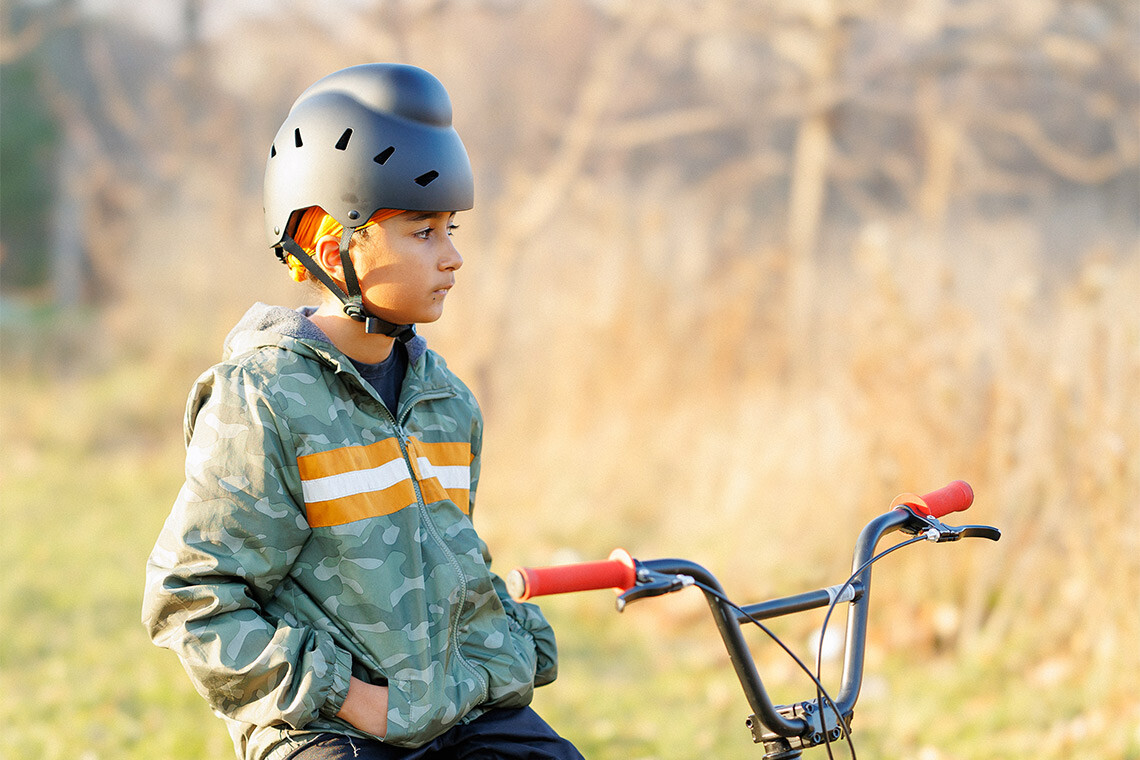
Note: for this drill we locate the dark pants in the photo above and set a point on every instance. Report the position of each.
(498, 734)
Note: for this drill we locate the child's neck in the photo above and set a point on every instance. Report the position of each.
(348, 335)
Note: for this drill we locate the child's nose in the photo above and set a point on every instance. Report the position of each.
(451, 258)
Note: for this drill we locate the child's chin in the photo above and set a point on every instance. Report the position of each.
(424, 319)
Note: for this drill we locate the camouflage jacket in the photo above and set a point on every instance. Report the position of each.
(318, 536)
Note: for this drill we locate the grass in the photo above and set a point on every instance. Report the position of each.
(83, 486)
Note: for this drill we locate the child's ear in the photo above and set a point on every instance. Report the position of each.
(327, 254)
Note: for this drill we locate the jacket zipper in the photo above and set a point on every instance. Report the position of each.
(433, 531)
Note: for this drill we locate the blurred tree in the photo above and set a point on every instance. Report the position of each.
(27, 153)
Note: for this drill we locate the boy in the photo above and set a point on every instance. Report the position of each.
(319, 575)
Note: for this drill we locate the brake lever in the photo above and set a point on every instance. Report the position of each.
(933, 529)
(979, 531)
(663, 584)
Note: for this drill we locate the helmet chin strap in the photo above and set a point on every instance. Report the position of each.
(352, 300)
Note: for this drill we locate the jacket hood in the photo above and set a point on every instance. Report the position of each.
(267, 325)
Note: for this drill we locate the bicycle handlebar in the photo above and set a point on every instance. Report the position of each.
(619, 572)
(789, 727)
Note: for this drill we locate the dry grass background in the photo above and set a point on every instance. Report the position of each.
(735, 278)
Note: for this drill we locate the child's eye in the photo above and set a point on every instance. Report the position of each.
(427, 232)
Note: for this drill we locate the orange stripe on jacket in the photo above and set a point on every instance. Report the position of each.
(326, 463)
(323, 514)
(358, 482)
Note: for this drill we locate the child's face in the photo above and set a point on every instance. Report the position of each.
(406, 266)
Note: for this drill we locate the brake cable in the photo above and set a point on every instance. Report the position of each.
(823, 632)
(821, 692)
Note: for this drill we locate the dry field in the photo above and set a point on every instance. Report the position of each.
(734, 280)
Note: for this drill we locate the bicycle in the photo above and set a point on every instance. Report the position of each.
(785, 730)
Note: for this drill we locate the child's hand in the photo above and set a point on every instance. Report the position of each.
(366, 707)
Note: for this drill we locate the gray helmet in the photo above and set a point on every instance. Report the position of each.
(368, 137)
(361, 139)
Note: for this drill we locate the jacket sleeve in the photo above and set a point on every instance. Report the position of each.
(527, 617)
(230, 539)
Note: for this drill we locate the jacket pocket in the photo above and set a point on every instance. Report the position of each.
(422, 705)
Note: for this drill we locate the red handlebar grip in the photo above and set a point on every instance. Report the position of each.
(956, 497)
(617, 572)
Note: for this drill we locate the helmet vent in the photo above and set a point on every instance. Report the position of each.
(384, 155)
(342, 143)
(297, 137)
(272, 151)
(425, 179)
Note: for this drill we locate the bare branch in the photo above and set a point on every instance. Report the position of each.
(1089, 170)
(551, 187)
(635, 133)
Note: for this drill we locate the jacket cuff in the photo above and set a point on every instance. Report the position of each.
(338, 688)
(532, 623)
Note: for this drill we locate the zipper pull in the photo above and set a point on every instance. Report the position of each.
(413, 455)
